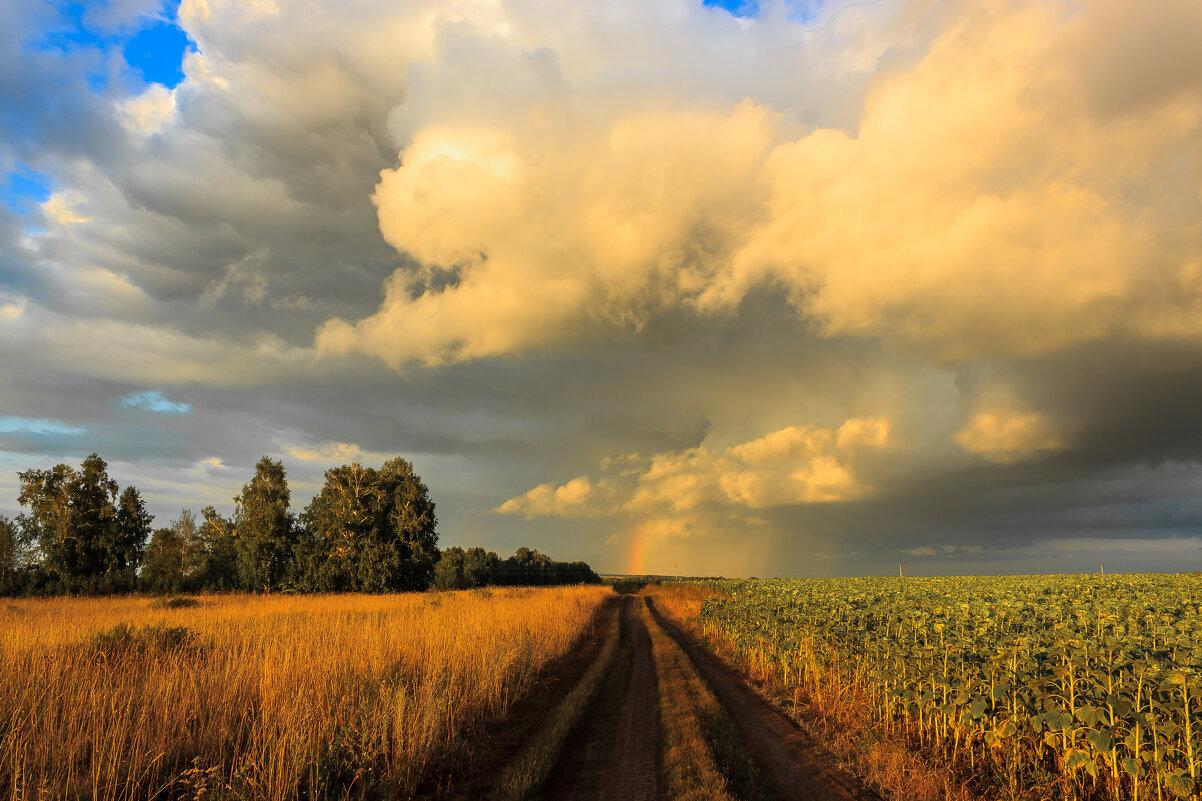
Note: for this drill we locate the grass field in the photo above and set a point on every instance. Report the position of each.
(266, 697)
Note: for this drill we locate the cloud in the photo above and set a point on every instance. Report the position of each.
(153, 400)
(58, 208)
(653, 233)
(958, 217)
(944, 550)
(1185, 546)
(680, 493)
(145, 353)
(1007, 438)
(11, 308)
(244, 277)
(12, 424)
(577, 498)
(1002, 430)
(146, 113)
(333, 452)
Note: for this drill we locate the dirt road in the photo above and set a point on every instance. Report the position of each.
(614, 753)
(612, 756)
(797, 767)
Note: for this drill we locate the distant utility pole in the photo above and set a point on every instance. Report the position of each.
(1101, 568)
(899, 571)
(678, 571)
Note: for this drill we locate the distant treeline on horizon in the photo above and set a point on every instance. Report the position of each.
(367, 530)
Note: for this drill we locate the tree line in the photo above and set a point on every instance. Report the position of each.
(366, 530)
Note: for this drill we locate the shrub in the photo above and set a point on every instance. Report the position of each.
(124, 639)
(176, 602)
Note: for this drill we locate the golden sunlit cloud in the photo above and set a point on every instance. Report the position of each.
(1000, 428)
(330, 452)
(57, 207)
(997, 199)
(11, 312)
(146, 113)
(1005, 437)
(670, 491)
(577, 498)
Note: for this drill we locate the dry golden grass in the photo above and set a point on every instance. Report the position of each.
(533, 764)
(682, 601)
(265, 697)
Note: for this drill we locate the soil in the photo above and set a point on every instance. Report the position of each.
(612, 755)
(799, 768)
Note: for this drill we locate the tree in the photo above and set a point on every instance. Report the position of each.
(193, 554)
(528, 566)
(480, 567)
(218, 551)
(448, 570)
(413, 526)
(369, 530)
(86, 537)
(163, 564)
(263, 528)
(14, 555)
(457, 569)
(175, 559)
(127, 540)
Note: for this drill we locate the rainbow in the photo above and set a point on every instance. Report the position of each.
(636, 552)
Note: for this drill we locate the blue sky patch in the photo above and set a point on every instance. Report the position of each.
(157, 53)
(23, 187)
(152, 400)
(737, 8)
(153, 46)
(14, 425)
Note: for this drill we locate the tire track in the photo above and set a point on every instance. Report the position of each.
(613, 754)
(796, 766)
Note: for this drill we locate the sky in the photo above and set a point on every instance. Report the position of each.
(776, 288)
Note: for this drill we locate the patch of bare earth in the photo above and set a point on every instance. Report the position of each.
(797, 766)
(612, 756)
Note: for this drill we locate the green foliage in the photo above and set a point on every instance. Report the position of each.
(88, 538)
(175, 559)
(14, 557)
(458, 569)
(448, 571)
(529, 567)
(1088, 686)
(163, 563)
(263, 528)
(218, 555)
(480, 567)
(124, 551)
(368, 530)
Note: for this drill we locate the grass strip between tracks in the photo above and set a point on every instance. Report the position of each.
(527, 773)
(704, 757)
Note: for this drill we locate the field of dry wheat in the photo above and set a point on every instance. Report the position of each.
(265, 697)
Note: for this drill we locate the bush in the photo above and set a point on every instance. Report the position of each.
(124, 639)
(177, 602)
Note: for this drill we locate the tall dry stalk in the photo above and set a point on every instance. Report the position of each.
(682, 600)
(265, 696)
